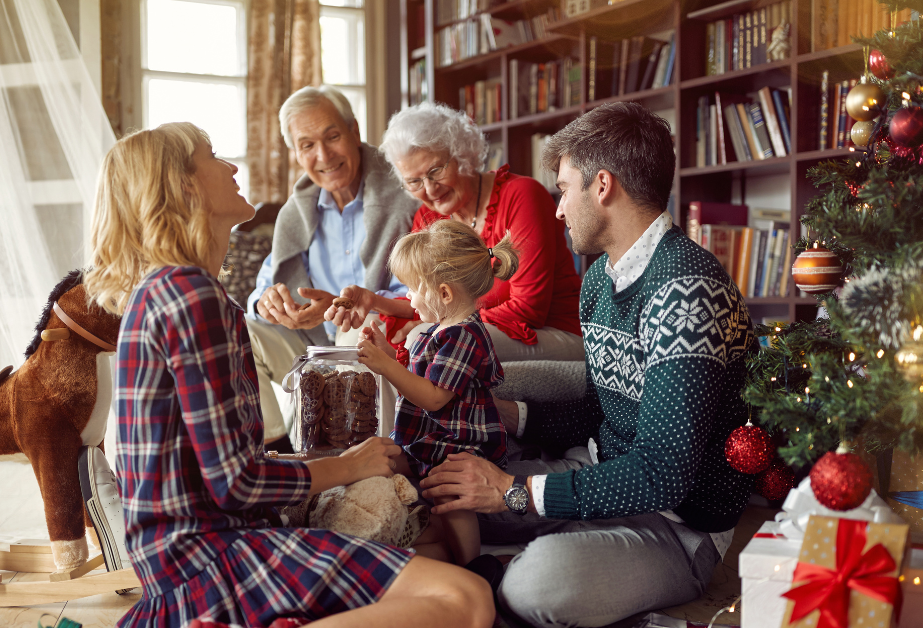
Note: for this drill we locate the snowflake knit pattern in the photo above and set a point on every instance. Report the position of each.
(665, 369)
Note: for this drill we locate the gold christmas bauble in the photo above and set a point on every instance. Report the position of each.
(817, 270)
(910, 360)
(862, 101)
(862, 131)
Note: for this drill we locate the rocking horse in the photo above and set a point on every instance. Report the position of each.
(54, 404)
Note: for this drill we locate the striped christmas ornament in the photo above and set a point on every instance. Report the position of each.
(817, 270)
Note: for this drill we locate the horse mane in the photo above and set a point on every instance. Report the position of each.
(73, 278)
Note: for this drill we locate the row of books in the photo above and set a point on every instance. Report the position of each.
(481, 100)
(731, 127)
(835, 122)
(834, 22)
(454, 10)
(419, 88)
(743, 40)
(630, 65)
(541, 87)
(486, 33)
(756, 252)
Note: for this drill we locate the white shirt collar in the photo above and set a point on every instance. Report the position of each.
(631, 265)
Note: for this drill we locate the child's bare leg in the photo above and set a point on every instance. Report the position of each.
(432, 543)
(462, 533)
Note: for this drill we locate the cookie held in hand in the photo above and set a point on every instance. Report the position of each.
(343, 302)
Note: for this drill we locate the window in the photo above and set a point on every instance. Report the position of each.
(342, 27)
(194, 68)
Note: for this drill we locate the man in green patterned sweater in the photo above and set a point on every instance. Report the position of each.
(640, 504)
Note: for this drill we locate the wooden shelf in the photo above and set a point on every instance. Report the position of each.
(615, 21)
(513, 9)
(758, 72)
(774, 165)
(822, 155)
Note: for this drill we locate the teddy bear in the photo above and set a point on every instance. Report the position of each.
(375, 508)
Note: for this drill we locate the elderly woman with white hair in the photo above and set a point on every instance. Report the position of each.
(439, 155)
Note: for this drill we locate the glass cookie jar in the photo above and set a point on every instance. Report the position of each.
(338, 400)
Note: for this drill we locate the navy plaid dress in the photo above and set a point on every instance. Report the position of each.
(199, 498)
(459, 358)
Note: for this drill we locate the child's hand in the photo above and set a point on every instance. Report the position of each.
(373, 334)
(373, 357)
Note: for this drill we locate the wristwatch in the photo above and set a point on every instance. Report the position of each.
(517, 497)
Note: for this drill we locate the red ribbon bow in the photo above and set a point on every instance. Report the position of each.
(829, 589)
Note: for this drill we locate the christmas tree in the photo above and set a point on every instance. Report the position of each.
(857, 376)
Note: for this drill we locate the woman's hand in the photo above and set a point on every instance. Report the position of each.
(376, 456)
(363, 303)
(373, 334)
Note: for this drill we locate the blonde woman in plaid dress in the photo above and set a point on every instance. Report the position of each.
(199, 498)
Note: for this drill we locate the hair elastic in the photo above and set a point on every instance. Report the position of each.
(490, 252)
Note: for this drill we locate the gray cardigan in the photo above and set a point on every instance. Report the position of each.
(387, 212)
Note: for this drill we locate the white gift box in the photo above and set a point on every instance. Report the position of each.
(766, 566)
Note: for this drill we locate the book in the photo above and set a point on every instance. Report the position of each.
(638, 53)
(661, 66)
(760, 131)
(756, 259)
(705, 212)
(574, 80)
(772, 122)
(701, 133)
(591, 69)
(712, 135)
(651, 65)
(711, 68)
(761, 47)
(746, 122)
(514, 89)
(723, 141)
(824, 109)
(742, 271)
(671, 61)
(779, 269)
(841, 115)
(780, 101)
(738, 140)
(786, 265)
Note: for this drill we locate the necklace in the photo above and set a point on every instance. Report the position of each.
(477, 206)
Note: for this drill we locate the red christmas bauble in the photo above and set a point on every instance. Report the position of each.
(906, 127)
(749, 449)
(817, 270)
(775, 482)
(879, 65)
(841, 481)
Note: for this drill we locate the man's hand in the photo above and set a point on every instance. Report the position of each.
(509, 414)
(477, 484)
(277, 306)
(363, 302)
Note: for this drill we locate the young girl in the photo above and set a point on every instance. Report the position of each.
(445, 405)
(200, 500)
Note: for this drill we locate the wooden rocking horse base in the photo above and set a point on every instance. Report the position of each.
(60, 586)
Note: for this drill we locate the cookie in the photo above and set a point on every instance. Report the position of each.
(334, 392)
(343, 302)
(367, 384)
(312, 416)
(312, 389)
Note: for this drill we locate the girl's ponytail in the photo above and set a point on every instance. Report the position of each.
(506, 258)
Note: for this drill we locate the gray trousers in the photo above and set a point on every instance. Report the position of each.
(593, 573)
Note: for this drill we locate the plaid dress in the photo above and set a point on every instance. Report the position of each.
(459, 358)
(199, 498)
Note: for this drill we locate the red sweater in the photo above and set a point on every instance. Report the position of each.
(545, 290)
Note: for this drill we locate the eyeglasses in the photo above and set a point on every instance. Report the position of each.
(434, 175)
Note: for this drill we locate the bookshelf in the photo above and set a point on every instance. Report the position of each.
(688, 21)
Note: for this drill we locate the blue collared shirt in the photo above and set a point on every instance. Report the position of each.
(332, 260)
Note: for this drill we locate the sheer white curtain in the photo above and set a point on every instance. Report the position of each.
(53, 136)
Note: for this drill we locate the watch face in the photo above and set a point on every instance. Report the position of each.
(517, 499)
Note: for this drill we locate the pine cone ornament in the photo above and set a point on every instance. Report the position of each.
(841, 480)
(749, 449)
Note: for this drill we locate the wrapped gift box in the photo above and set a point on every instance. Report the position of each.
(828, 542)
(766, 566)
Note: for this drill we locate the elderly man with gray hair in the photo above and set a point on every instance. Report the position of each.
(336, 230)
